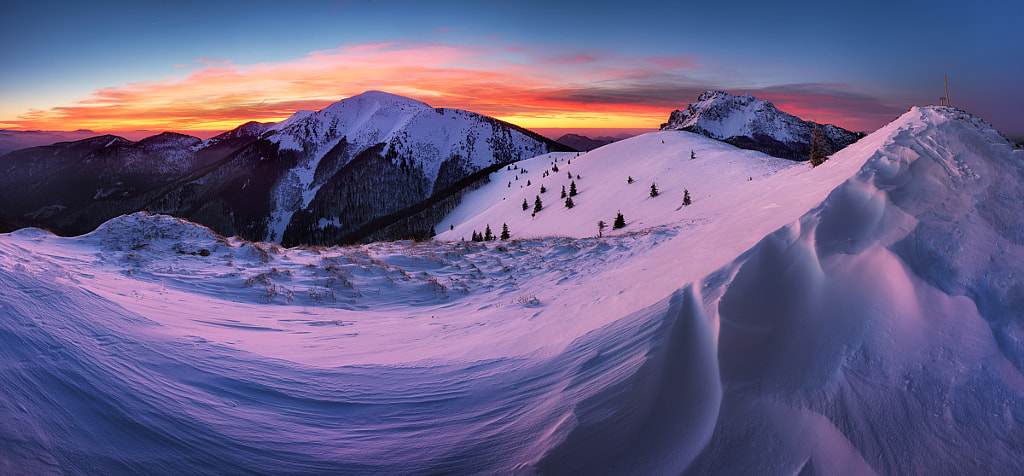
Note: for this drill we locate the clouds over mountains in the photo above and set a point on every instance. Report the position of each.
(530, 86)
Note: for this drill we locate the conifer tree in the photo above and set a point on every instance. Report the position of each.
(620, 221)
(504, 231)
(630, 179)
(568, 203)
(526, 205)
(572, 189)
(542, 189)
(537, 205)
(693, 155)
(554, 168)
(563, 191)
(686, 197)
(818, 152)
(654, 190)
(488, 236)
(527, 183)
(569, 174)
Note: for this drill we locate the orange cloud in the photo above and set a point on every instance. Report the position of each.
(531, 87)
(500, 81)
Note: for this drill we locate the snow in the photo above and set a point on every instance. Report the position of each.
(754, 123)
(412, 128)
(663, 158)
(861, 316)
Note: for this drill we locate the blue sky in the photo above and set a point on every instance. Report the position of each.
(858, 64)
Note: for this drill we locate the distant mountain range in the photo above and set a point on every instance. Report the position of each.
(373, 166)
(14, 140)
(584, 143)
(751, 123)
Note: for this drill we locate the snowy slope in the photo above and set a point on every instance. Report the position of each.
(717, 179)
(862, 316)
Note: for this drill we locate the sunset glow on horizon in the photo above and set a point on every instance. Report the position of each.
(199, 68)
(526, 88)
(220, 95)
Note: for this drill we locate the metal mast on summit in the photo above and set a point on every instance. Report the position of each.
(945, 86)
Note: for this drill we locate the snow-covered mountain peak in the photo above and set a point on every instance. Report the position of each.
(377, 99)
(436, 146)
(365, 118)
(720, 115)
(708, 98)
(751, 123)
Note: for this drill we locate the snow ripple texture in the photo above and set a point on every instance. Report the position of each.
(878, 333)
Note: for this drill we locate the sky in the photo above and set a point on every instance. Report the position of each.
(201, 67)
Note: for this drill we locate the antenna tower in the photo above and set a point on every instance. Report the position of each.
(945, 86)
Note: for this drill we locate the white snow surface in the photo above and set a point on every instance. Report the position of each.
(864, 317)
(720, 178)
(409, 127)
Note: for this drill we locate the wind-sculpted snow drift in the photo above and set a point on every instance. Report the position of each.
(878, 332)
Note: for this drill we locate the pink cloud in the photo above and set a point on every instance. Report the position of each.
(532, 87)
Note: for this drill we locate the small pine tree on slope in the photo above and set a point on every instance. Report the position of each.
(654, 190)
(620, 221)
(537, 205)
(504, 232)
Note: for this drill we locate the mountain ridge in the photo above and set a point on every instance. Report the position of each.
(252, 180)
(751, 123)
